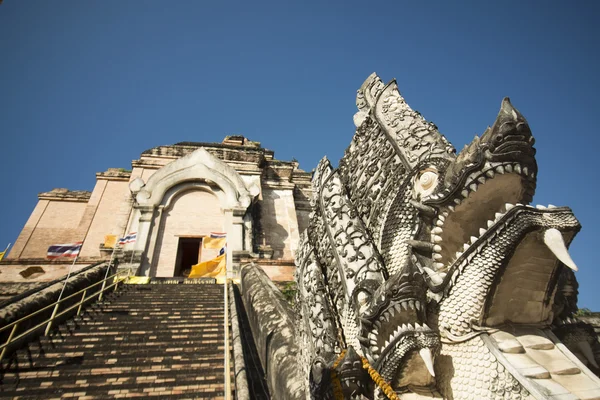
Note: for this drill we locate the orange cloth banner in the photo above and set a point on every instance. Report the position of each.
(213, 243)
(110, 241)
(210, 269)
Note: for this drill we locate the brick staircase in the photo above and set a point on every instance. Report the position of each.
(153, 341)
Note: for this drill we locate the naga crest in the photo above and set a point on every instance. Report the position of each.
(426, 273)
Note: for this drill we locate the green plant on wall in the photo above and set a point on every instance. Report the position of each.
(289, 291)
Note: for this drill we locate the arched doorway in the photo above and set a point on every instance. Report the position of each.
(189, 216)
(157, 202)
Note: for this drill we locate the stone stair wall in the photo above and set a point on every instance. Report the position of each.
(539, 359)
(153, 341)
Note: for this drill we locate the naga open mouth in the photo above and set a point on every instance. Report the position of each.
(508, 273)
(488, 193)
(394, 330)
(486, 234)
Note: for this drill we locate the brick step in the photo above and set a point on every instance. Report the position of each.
(153, 320)
(163, 292)
(184, 388)
(154, 312)
(148, 352)
(194, 331)
(167, 347)
(126, 337)
(144, 317)
(132, 342)
(140, 325)
(114, 371)
(178, 328)
(216, 394)
(163, 295)
(24, 361)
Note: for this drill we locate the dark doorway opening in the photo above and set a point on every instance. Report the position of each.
(188, 254)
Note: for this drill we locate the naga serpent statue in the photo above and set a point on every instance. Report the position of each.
(426, 274)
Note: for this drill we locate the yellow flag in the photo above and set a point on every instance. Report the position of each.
(213, 243)
(209, 269)
(2, 253)
(137, 280)
(110, 241)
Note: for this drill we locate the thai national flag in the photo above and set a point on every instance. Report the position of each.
(64, 250)
(218, 235)
(129, 238)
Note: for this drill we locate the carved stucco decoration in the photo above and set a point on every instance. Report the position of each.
(199, 164)
(426, 274)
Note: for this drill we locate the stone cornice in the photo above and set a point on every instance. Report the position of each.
(278, 185)
(62, 194)
(114, 174)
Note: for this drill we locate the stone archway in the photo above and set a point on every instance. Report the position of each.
(201, 171)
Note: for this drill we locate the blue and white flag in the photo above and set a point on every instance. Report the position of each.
(64, 250)
(129, 238)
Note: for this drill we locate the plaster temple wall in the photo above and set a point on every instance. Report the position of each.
(188, 189)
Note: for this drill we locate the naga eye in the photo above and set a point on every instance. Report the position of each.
(362, 298)
(426, 182)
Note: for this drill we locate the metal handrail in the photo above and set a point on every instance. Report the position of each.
(55, 313)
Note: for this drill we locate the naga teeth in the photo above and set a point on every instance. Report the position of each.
(508, 168)
(517, 168)
(465, 193)
(498, 216)
(481, 231)
(473, 188)
(437, 230)
(437, 238)
(490, 223)
(473, 239)
(500, 169)
(434, 276)
(555, 242)
(586, 350)
(437, 248)
(490, 173)
(508, 206)
(541, 207)
(425, 354)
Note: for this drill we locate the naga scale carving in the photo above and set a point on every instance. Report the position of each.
(424, 273)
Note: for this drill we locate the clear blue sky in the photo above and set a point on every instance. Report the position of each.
(87, 85)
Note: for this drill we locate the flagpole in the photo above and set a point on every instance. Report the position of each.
(131, 261)
(226, 325)
(47, 331)
(4, 252)
(108, 269)
(68, 276)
